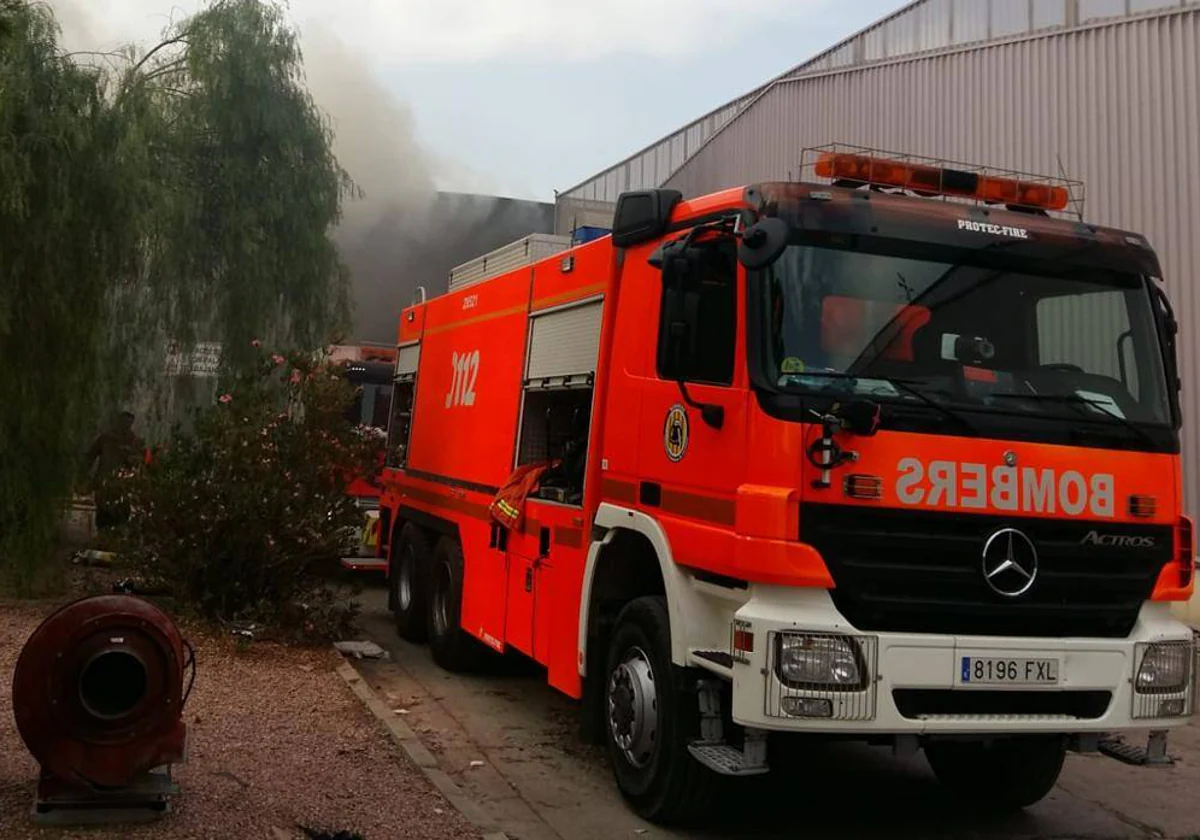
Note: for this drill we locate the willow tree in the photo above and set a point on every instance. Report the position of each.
(68, 229)
(179, 192)
(252, 189)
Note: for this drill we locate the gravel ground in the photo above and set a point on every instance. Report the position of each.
(275, 739)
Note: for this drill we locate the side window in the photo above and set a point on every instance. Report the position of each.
(382, 409)
(1090, 332)
(400, 406)
(710, 308)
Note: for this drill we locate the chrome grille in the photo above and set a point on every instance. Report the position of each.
(919, 571)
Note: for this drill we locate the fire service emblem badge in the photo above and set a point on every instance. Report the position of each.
(675, 433)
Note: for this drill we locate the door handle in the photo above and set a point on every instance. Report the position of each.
(544, 542)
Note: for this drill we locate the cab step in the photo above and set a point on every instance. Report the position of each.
(730, 761)
(717, 662)
(711, 750)
(365, 564)
(1153, 755)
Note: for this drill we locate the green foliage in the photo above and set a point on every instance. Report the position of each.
(65, 233)
(189, 193)
(239, 520)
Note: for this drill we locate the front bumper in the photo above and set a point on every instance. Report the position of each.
(912, 684)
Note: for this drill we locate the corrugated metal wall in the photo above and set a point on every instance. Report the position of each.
(654, 164)
(920, 26)
(1117, 104)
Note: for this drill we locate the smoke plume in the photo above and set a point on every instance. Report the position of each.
(402, 231)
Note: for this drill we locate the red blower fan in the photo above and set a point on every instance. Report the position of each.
(98, 695)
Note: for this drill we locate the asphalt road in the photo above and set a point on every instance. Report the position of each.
(510, 741)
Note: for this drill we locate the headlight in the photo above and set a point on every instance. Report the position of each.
(1166, 668)
(828, 662)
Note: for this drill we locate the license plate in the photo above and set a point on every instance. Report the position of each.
(986, 670)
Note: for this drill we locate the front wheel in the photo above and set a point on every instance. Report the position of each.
(649, 720)
(1004, 775)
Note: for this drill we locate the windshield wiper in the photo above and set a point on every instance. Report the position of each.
(1077, 401)
(905, 385)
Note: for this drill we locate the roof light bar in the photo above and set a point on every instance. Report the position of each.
(933, 180)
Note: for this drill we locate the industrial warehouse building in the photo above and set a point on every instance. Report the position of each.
(1104, 91)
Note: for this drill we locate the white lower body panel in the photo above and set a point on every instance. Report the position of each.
(931, 662)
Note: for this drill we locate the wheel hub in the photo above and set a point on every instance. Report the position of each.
(633, 707)
(441, 606)
(404, 586)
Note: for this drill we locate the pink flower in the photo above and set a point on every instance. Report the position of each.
(277, 359)
(225, 399)
(296, 377)
(256, 343)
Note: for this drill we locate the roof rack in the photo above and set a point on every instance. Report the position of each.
(927, 177)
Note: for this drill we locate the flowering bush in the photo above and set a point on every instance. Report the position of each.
(240, 519)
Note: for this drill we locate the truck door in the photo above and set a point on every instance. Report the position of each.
(690, 468)
(547, 555)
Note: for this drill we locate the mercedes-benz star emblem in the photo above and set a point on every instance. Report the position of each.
(1010, 563)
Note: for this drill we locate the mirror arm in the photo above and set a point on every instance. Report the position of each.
(712, 415)
(1121, 339)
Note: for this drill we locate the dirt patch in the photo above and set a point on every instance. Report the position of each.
(276, 739)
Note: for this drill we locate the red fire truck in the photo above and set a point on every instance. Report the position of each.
(830, 457)
(369, 369)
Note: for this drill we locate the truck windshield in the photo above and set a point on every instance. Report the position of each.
(1034, 339)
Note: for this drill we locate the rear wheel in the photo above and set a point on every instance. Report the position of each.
(409, 573)
(649, 720)
(453, 648)
(1004, 775)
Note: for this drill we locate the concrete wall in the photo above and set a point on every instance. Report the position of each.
(572, 213)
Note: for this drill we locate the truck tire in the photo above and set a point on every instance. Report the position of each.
(408, 579)
(649, 719)
(1007, 774)
(453, 648)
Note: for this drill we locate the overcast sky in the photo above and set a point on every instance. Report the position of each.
(523, 97)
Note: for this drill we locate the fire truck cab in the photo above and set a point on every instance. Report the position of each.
(830, 457)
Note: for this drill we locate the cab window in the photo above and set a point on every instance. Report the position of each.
(711, 358)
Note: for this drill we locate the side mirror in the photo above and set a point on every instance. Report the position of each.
(858, 417)
(763, 243)
(642, 215)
